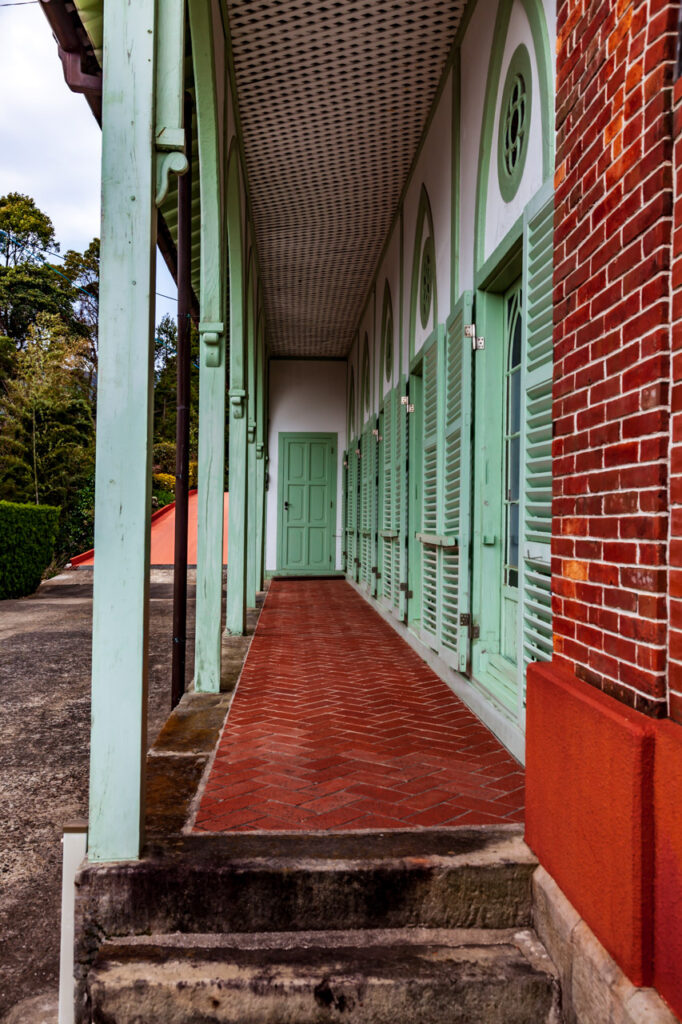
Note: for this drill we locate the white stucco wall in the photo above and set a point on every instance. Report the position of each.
(476, 50)
(434, 171)
(388, 271)
(501, 215)
(305, 396)
(367, 331)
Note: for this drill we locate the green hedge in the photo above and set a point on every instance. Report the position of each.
(27, 539)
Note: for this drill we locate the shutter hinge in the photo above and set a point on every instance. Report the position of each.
(405, 591)
(404, 399)
(475, 632)
(470, 330)
(465, 619)
(374, 570)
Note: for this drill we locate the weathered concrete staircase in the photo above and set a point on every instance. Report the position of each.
(425, 927)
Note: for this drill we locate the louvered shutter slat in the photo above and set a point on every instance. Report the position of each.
(455, 583)
(536, 491)
(430, 524)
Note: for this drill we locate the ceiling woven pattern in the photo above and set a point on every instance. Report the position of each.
(333, 97)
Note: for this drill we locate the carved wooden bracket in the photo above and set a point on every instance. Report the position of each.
(237, 402)
(210, 334)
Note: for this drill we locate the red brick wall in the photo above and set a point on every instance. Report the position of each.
(675, 631)
(612, 338)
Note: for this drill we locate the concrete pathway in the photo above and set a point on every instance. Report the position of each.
(337, 724)
(46, 641)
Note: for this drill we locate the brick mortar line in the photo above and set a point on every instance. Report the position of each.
(195, 802)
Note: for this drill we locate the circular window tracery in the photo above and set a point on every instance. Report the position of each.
(426, 282)
(514, 127)
(387, 333)
(388, 347)
(365, 375)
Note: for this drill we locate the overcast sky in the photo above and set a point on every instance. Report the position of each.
(49, 141)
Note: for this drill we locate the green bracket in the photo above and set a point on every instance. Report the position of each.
(210, 334)
(237, 401)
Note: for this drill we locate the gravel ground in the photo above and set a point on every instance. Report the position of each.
(44, 747)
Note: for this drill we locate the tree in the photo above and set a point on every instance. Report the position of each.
(82, 269)
(28, 284)
(46, 424)
(25, 231)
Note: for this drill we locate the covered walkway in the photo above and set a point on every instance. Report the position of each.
(337, 724)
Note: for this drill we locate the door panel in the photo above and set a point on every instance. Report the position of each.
(307, 502)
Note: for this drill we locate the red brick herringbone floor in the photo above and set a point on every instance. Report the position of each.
(337, 724)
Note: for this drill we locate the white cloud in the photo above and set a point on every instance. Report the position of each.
(50, 144)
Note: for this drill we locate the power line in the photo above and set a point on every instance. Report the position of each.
(58, 255)
(19, 3)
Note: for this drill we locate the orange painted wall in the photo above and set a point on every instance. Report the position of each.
(162, 540)
(589, 809)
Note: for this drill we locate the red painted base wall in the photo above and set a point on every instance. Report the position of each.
(589, 817)
(668, 876)
(604, 816)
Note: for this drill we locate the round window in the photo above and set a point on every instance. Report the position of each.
(426, 282)
(514, 127)
(388, 347)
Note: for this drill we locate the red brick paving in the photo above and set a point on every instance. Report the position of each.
(337, 724)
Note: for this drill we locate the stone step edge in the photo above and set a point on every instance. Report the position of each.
(216, 946)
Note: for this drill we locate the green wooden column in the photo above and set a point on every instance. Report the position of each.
(212, 365)
(235, 616)
(260, 456)
(252, 523)
(124, 416)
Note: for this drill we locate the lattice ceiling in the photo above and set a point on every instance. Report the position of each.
(333, 97)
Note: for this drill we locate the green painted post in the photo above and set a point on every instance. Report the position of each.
(124, 411)
(252, 531)
(212, 364)
(260, 456)
(235, 622)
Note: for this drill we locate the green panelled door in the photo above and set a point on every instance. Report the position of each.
(307, 502)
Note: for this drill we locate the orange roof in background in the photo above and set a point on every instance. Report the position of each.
(163, 536)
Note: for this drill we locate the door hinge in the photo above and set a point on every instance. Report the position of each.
(475, 632)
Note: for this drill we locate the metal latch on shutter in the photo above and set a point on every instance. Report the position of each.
(477, 343)
(475, 630)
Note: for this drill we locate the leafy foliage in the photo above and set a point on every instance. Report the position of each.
(27, 539)
(46, 423)
(25, 231)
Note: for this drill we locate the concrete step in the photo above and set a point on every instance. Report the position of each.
(464, 878)
(359, 977)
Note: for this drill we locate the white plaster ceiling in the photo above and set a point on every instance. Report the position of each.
(333, 97)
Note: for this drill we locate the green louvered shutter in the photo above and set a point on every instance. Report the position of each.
(536, 483)
(387, 514)
(374, 491)
(365, 506)
(430, 518)
(400, 469)
(344, 514)
(351, 519)
(455, 582)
